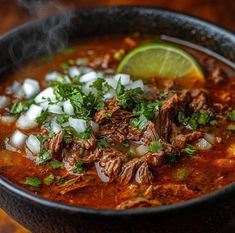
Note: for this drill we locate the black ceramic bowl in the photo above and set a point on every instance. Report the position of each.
(205, 214)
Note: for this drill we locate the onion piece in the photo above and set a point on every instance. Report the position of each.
(55, 127)
(8, 146)
(55, 108)
(34, 112)
(95, 127)
(74, 72)
(26, 123)
(78, 124)
(52, 76)
(4, 101)
(141, 150)
(46, 94)
(203, 144)
(136, 84)
(18, 139)
(124, 78)
(33, 144)
(45, 105)
(109, 95)
(111, 82)
(68, 107)
(8, 120)
(100, 173)
(210, 138)
(31, 88)
(89, 77)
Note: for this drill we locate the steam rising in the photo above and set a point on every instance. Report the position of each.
(54, 36)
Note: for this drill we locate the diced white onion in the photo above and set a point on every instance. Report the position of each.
(100, 173)
(95, 127)
(136, 84)
(141, 150)
(124, 78)
(52, 76)
(45, 105)
(13, 88)
(34, 112)
(210, 138)
(203, 144)
(54, 108)
(8, 146)
(4, 101)
(18, 139)
(87, 88)
(31, 88)
(25, 123)
(55, 127)
(68, 107)
(33, 144)
(74, 71)
(78, 124)
(89, 77)
(112, 82)
(8, 120)
(46, 94)
(109, 95)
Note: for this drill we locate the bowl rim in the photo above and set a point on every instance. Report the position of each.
(209, 198)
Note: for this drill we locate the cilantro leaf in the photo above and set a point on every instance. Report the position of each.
(56, 164)
(140, 122)
(49, 180)
(190, 149)
(102, 143)
(231, 115)
(79, 167)
(34, 182)
(43, 156)
(43, 117)
(155, 146)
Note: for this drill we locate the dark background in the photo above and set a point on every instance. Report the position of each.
(16, 12)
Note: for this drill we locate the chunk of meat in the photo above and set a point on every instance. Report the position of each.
(200, 100)
(139, 202)
(174, 104)
(56, 146)
(149, 134)
(181, 140)
(143, 174)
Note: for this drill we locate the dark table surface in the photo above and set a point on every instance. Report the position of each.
(16, 12)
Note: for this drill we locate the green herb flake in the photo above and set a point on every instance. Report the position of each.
(56, 164)
(49, 180)
(34, 182)
(130, 154)
(102, 143)
(60, 180)
(126, 143)
(231, 115)
(43, 157)
(21, 106)
(64, 66)
(139, 123)
(41, 138)
(43, 117)
(79, 167)
(190, 149)
(155, 146)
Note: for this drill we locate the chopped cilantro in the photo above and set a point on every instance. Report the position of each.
(102, 143)
(60, 180)
(130, 154)
(79, 167)
(67, 137)
(42, 118)
(41, 138)
(56, 164)
(34, 182)
(21, 106)
(49, 180)
(126, 143)
(64, 66)
(155, 146)
(62, 119)
(140, 122)
(127, 99)
(101, 86)
(51, 134)
(190, 149)
(43, 156)
(231, 115)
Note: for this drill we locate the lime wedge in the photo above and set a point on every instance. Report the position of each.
(160, 60)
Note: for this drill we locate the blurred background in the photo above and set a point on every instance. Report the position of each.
(16, 12)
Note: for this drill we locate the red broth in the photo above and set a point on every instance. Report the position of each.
(189, 177)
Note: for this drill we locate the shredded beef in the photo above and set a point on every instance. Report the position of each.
(56, 146)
